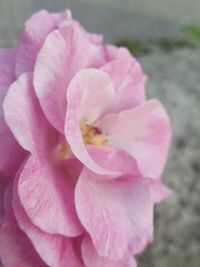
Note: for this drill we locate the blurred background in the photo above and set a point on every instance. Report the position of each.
(165, 36)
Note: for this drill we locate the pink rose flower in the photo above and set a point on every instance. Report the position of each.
(82, 150)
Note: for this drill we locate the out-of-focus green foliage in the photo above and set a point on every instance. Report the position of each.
(168, 45)
(192, 33)
(136, 47)
(190, 39)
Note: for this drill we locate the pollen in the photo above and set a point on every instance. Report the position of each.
(92, 135)
(63, 151)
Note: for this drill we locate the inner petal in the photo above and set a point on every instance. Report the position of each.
(92, 135)
(64, 159)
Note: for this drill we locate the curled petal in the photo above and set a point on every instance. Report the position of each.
(36, 30)
(116, 160)
(10, 152)
(117, 214)
(128, 79)
(89, 95)
(15, 247)
(25, 118)
(46, 193)
(61, 56)
(144, 132)
(56, 250)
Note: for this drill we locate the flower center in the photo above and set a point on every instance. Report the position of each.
(92, 135)
(63, 151)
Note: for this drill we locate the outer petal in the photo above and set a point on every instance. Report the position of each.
(15, 248)
(10, 152)
(111, 52)
(144, 132)
(128, 79)
(89, 95)
(92, 37)
(118, 161)
(24, 116)
(118, 214)
(36, 30)
(46, 193)
(55, 250)
(91, 258)
(63, 54)
(90, 43)
(159, 191)
(62, 16)
(3, 186)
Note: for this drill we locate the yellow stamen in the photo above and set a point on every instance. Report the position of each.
(92, 135)
(63, 151)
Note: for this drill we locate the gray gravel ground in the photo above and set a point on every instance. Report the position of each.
(114, 18)
(175, 80)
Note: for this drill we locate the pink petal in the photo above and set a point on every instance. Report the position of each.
(15, 248)
(117, 214)
(11, 153)
(128, 79)
(118, 161)
(46, 193)
(62, 55)
(3, 186)
(92, 37)
(144, 132)
(55, 250)
(159, 191)
(95, 38)
(91, 258)
(89, 94)
(77, 242)
(90, 43)
(111, 52)
(62, 16)
(25, 118)
(36, 30)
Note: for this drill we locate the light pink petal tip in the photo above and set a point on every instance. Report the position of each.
(144, 132)
(91, 257)
(36, 30)
(62, 16)
(46, 193)
(159, 191)
(10, 152)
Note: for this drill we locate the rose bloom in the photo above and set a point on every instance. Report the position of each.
(82, 150)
